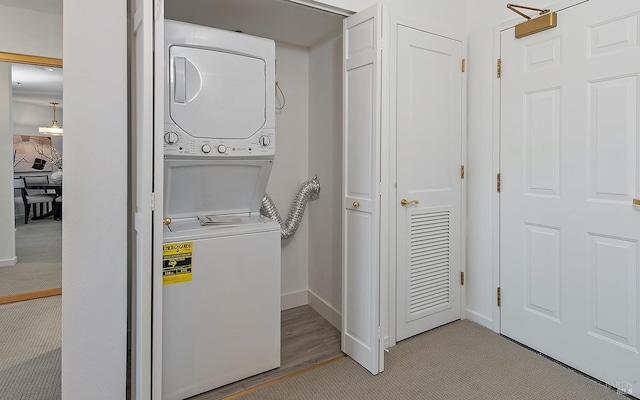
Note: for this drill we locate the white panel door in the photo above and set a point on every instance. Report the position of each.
(429, 155)
(361, 180)
(570, 254)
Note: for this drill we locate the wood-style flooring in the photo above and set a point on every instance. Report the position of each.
(307, 340)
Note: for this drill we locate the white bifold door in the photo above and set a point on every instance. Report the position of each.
(361, 334)
(570, 172)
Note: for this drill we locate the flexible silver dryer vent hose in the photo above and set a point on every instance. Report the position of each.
(308, 191)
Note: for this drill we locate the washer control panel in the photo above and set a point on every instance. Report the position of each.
(179, 143)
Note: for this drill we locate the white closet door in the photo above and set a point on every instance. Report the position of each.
(361, 180)
(429, 155)
(570, 233)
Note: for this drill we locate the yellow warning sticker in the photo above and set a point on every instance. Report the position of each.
(176, 262)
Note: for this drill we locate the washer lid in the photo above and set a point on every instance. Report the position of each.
(216, 94)
(194, 187)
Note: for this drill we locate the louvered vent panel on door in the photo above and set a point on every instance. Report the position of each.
(429, 269)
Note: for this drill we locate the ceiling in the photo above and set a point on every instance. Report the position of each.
(279, 20)
(36, 85)
(48, 6)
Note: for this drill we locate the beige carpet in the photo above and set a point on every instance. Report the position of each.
(30, 360)
(461, 360)
(39, 252)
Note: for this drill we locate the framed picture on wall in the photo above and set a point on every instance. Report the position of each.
(25, 157)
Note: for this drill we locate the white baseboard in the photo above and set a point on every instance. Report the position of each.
(480, 319)
(293, 299)
(8, 262)
(325, 310)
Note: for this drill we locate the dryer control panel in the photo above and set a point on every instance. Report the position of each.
(179, 143)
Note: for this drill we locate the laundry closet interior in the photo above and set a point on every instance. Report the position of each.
(374, 209)
(308, 130)
(308, 137)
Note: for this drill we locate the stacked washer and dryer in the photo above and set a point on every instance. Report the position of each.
(221, 259)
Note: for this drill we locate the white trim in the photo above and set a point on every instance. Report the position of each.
(463, 186)
(325, 310)
(7, 262)
(387, 187)
(495, 199)
(293, 299)
(158, 182)
(323, 7)
(391, 174)
(479, 319)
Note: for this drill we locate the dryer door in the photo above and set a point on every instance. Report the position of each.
(215, 94)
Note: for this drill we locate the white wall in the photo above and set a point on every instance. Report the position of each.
(30, 32)
(290, 167)
(94, 230)
(325, 159)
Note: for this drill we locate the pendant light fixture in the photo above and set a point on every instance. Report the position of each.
(54, 129)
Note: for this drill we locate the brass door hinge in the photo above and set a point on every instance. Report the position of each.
(499, 67)
(462, 172)
(461, 278)
(498, 183)
(499, 298)
(464, 65)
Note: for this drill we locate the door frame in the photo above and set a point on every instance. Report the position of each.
(150, 384)
(496, 118)
(388, 240)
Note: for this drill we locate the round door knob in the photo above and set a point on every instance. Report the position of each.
(356, 204)
(222, 149)
(166, 221)
(206, 148)
(171, 138)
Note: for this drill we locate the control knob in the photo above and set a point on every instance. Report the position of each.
(222, 149)
(264, 140)
(206, 149)
(171, 138)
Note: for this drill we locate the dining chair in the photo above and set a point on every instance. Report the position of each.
(33, 180)
(17, 191)
(28, 200)
(57, 208)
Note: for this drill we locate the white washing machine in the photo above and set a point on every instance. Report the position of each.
(221, 258)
